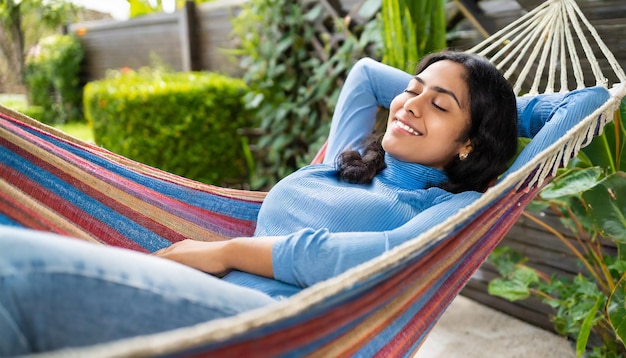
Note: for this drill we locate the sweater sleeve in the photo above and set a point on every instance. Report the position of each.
(369, 84)
(534, 112)
(310, 256)
(547, 118)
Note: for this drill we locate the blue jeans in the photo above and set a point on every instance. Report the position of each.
(59, 292)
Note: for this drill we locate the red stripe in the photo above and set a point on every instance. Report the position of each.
(112, 237)
(203, 218)
(24, 216)
(432, 310)
(293, 337)
(68, 210)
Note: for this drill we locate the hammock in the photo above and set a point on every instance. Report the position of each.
(385, 307)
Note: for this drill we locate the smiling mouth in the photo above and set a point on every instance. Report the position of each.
(407, 128)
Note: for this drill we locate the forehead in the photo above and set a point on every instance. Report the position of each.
(447, 75)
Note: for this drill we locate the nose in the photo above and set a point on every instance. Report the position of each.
(413, 105)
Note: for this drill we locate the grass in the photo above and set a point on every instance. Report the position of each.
(78, 130)
(19, 103)
(13, 101)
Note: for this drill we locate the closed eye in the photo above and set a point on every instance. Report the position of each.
(414, 93)
(439, 108)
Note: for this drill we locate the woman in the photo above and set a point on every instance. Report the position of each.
(451, 129)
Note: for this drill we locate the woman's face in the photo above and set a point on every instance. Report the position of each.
(426, 122)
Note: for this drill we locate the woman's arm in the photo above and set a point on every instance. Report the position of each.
(310, 256)
(369, 85)
(307, 256)
(247, 254)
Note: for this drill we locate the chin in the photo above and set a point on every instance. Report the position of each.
(394, 147)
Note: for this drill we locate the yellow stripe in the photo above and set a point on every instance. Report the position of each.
(361, 334)
(186, 228)
(45, 213)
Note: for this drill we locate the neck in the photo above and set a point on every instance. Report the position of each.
(411, 175)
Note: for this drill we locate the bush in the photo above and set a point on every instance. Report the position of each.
(183, 123)
(296, 55)
(52, 77)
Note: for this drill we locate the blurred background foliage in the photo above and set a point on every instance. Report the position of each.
(53, 79)
(411, 30)
(22, 25)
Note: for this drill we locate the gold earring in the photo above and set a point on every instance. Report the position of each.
(463, 156)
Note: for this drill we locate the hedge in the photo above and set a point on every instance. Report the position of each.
(184, 123)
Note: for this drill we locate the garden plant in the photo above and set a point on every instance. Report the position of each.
(589, 196)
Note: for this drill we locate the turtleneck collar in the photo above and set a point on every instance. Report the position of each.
(411, 176)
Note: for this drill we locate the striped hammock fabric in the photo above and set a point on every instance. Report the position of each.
(385, 307)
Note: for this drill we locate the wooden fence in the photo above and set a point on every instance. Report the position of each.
(197, 37)
(189, 39)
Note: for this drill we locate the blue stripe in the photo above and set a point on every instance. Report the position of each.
(396, 327)
(117, 222)
(230, 207)
(6, 221)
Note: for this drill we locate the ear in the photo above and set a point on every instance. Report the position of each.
(466, 148)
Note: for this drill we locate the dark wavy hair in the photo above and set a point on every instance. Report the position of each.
(492, 131)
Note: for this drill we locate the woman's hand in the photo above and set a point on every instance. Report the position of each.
(204, 256)
(247, 254)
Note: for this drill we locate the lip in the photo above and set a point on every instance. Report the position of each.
(407, 128)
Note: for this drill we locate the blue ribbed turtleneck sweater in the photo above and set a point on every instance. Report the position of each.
(314, 197)
(325, 226)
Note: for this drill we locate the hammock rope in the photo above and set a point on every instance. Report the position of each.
(384, 307)
(544, 32)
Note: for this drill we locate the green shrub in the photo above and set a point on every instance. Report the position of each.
(36, 112)
(295, 68)
(52, 77)
(183, 123)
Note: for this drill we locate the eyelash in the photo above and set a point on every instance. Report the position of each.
(434, 104)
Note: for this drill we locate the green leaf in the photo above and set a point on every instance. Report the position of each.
(506, 260)
(618, 265)
(314, 13)
(369, 8)
(606, 205)
(526, 275)
(585, 328)
(516, 287)
(572, 183)
(509, 290)
(616, 310)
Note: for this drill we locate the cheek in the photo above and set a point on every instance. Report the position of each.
(448, 132)
(396, 104)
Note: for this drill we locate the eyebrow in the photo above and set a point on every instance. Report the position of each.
(440, 90)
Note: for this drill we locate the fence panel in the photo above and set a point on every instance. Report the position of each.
(111, 44)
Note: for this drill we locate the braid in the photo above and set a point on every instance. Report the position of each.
(361, 169)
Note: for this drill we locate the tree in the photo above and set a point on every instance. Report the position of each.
(23, 23)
